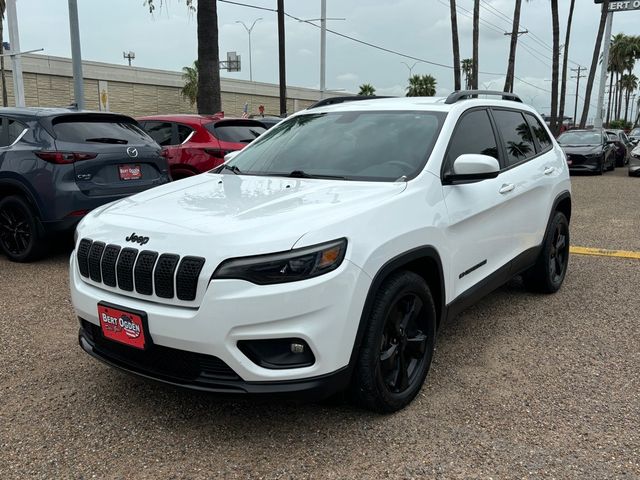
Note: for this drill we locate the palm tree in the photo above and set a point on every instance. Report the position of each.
(476, 39)
(508, 81)
(565, 61)
(630, 83)
(421, 86)
(190, 88)
(555, 66)
(367, 90)
(467, 69)
(209, 99)
(5, 100)
(456, 46)
(594, 63)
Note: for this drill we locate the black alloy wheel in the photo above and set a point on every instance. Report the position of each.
(398, 344)
(550, 269)
(20, 237)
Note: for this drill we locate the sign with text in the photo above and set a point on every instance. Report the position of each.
(622, 6)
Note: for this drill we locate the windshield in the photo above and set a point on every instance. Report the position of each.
(635, 132)
(580, 138)
(378, 146)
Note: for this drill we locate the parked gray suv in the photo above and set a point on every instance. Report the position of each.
(56, 165)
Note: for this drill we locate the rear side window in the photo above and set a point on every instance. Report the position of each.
(161, 132)
(516, 135)
(539, 132)
(235, 132)
(183, 132)
(473, 134)
(113, 129)
(10, 131)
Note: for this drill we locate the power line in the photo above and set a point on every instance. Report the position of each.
(372, 45)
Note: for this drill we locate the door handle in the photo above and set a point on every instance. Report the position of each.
(549, 170)
(506, 188)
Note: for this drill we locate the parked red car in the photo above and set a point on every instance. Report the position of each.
(197, 143)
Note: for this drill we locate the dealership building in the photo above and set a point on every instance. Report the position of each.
(48, 82)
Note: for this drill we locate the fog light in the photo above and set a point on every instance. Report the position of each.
(297, 348)
(277, 353)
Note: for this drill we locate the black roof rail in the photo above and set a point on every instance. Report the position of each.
(467, 94)
(335, 100)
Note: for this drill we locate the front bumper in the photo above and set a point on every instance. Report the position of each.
(324, 311)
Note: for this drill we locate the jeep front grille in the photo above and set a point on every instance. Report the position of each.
(147, 272)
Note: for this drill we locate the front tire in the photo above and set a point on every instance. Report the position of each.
(21, 236)
(398, 345)
(547, 275)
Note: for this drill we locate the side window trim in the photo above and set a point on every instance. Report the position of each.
(445, 163)
(178, 142)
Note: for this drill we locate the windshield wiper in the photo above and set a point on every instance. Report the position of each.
(120, 141)
(232, 168)
(303, 174)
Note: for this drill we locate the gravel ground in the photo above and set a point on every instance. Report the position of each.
(521, 386)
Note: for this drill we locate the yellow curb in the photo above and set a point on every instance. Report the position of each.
(601, 252)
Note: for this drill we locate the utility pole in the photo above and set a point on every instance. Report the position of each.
(16, 61)
(323, 47)
(129, 56)
(577, 76)
(597, 122)
(281, 59)
(249, 30)
(508, 85)
(76, 55)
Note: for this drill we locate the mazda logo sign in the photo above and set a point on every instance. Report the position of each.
(132, 152)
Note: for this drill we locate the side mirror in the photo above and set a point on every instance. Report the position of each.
(231, 155)
(473, 167)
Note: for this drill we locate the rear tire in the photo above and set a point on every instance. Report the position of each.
(21, 235)
(398, 345)
(600, 169)
(547, 275)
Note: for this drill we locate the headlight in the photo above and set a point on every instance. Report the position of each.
(283, 267)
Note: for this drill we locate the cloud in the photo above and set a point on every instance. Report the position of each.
(347, 77)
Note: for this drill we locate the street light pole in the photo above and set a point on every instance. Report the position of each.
(76, 56)
(249, 29)
(16, 61)
(410, 67)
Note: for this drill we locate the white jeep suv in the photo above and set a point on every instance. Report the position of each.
(326, 254)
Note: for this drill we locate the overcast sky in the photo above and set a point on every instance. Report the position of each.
(419, 28)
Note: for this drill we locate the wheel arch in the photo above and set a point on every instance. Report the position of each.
(562, 203)
(10, 187)
(424, 261)
(181, 170)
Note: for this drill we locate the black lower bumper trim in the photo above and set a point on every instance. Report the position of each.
(315, 388)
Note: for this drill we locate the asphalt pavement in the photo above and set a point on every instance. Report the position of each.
(522, 386)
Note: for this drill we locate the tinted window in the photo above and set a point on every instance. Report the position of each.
(183, 132)
(10, 130)
(161, 132)
(98, 129)
(516, 135)
(377, 146)
(539, 132)
(581, 137)
(235, 132)
(473, 134)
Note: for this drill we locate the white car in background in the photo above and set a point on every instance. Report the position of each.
(326, 254)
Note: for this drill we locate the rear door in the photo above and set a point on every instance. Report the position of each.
(479, 213)
(113, 155)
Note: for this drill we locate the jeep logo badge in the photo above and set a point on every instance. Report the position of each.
(132, 152)
(133, 238)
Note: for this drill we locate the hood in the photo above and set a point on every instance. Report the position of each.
(232, 215)
(582, 149)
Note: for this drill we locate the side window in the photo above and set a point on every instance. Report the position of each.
(612, 136)
(473, 134)
(161, 132)
(4, 132)
(539, 132)
(14, 130)
(183, 132)
(516, 135)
